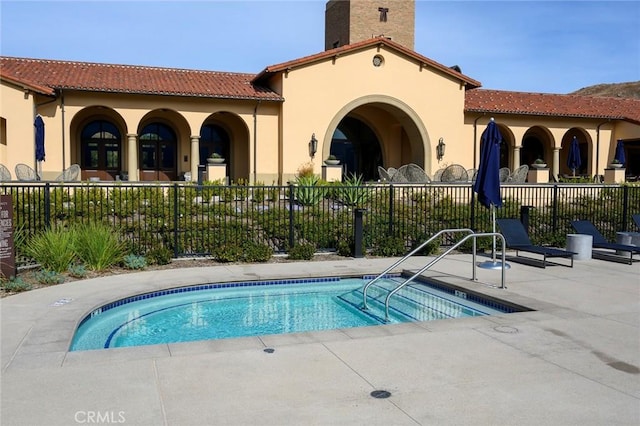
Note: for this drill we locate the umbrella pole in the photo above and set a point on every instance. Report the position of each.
(493, 220)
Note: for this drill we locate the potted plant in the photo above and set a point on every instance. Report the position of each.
(332, 160)
(215, 158)
(615, 164)
(539, 164)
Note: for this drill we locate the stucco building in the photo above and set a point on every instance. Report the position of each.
(370, 101)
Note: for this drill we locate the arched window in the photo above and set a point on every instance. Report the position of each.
(213, 138)
(101, 148)
(158, 152)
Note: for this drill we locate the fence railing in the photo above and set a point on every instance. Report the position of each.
(192, 220)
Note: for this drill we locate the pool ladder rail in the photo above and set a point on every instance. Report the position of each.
(471, 235)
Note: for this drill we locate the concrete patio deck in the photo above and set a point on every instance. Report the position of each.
(575, 360)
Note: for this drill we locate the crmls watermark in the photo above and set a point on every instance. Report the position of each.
(99, 417)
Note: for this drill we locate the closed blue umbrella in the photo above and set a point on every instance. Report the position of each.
(620, 152)
(39, 125)
(574, 161)
(487, 184)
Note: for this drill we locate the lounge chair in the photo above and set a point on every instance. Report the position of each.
(600, 242)
(516, 238)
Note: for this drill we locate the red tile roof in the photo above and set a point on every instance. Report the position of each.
(110, 78)
(545, 104)
(376, 41)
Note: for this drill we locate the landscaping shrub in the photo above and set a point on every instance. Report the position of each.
(133, 261)
(98, 246)
(255, 252)
(159, 256)
(53, 249)
(302, 251)
(49, 277)
(15, 285)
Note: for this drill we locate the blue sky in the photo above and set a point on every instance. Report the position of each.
(541, 46)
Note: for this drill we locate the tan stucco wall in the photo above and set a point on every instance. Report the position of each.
(17, 110)
(319, 96)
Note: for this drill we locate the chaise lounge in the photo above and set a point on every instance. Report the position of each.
(600, 242)
(516, 238)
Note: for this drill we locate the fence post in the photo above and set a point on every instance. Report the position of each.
(175, 220)
(473, 209)
(291, 215)
(625, 207)
(554, 218)
(524, 216)
(47, 205)
(391, 198)
(357, 232)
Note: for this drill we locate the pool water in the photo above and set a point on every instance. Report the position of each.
(252, 309)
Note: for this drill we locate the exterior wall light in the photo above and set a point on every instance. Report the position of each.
(313, 145)
(440, 149)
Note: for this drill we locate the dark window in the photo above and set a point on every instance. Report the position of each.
(101, 146)
(213, 138)
(158, 148)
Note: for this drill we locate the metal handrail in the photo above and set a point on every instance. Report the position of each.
(437, 259)
(407, 256)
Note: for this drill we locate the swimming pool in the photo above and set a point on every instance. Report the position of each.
(218, 311)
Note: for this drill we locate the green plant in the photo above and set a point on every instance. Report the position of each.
(302, 251)
(351, 192)
(77, 270)
(215, 155)
(309, 190)
(159, 256)
(49, 277)
(227, 253)
(53, 249)
(389, 246)
(15, 285)
(539, 161)
(98, 246)
(134, 261)
(254, 252)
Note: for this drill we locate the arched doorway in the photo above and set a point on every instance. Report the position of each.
(536, 144)
(358, 149)
(374, 131)
(100, 150)
(158, 153)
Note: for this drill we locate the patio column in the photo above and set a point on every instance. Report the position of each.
(195, 157)
(556, 162)
(516, 156)
(132, 156)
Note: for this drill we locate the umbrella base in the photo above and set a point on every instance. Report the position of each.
(489, 264)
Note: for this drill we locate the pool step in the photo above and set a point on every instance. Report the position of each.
(406, 305)
(409, 304)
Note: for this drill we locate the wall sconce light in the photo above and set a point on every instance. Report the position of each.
(313, 145)
(440, 149)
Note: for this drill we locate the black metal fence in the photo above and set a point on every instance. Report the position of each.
(193, 220)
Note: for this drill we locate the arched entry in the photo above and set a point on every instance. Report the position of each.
(582, 138)
(158, 153)
(377, 130)
(358, 148)
(536, 144)
(214, 139)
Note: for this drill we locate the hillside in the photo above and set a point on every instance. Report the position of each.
(613, 90)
